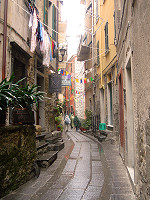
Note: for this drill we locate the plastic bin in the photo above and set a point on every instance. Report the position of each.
(102, 126)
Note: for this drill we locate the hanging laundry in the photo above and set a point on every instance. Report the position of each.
(69, 76)
(46, 52)
(92, 79)
(80, 80)
(31, 20)
(54, 49)
(33, 36)
(39, 32)
(50, 50)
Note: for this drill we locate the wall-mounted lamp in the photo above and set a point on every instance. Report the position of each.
(62, 53)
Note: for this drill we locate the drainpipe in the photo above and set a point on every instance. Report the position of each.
(93, 82)
(57, 62)
(4, 40)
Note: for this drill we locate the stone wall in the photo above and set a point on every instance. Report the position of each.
(17, 155)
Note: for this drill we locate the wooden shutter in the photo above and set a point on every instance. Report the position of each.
(54, 23)
(106, 37)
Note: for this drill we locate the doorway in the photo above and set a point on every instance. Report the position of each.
(121, 111)
(130, 120)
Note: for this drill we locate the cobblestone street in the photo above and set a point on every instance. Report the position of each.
(84, 170)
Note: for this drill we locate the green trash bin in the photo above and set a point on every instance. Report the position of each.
(102, 126)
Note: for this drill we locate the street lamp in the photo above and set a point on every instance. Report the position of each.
(62, 53)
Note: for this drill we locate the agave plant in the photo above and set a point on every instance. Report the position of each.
(27, 96)
(5, 93)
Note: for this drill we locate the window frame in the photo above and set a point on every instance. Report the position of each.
(106, 38)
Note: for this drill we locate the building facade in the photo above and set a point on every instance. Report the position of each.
(84, 53)
(132, 28)
(70, 90)
(79, 89)
(26, 53)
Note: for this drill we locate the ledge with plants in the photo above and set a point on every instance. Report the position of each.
(21, 99)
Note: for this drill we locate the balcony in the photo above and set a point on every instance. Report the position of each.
(83, 49)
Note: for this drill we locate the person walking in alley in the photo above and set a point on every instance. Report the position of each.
(67, 122)
(72, 121)
(76, 122)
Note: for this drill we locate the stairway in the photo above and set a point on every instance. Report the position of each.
(102, 135)
(48, 145)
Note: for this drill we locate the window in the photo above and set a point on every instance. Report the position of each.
(54, 23)
(98, 58)
(106, 38)
(46, 3)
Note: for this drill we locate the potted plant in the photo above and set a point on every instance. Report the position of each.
(57, 120)
(26, 97)
(5, 98)
(58, 108)
(60, 127)
(86, 123)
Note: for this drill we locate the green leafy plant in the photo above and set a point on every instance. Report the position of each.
(57, 120)
(61, 127)
(5, 93)
(58, 108)
(26, 96)
(86, 123)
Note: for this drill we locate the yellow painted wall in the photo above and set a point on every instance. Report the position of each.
(106, 12)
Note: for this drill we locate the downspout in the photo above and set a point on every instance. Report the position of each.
(4, 40)
(57, 40)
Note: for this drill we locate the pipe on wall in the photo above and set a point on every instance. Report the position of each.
(4, 40)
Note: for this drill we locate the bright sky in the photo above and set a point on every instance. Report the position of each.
(73, 13)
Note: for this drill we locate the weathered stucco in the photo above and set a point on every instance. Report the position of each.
(17, 155)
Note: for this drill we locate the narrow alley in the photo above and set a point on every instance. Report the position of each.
(84, 169)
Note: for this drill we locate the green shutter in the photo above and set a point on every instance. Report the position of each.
(54, 23)
(106, 37)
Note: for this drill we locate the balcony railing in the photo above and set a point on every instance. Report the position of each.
(83, 49)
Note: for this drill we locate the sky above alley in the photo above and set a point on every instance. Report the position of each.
(73, 13)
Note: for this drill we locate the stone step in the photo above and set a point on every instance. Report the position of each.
(105, 132)
(48, 135)
(109, 127)
(52, 140)
(59, 146)
(101, 138)
(56, 133)
(47, 159)
(40, 137)
(41, 145)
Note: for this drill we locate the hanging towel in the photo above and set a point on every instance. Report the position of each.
(50, 50)
(33, 36)
(39, 32)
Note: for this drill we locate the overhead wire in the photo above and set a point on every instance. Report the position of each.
(61, 33)
(42, 22)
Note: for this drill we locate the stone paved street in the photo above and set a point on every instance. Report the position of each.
(84, 170)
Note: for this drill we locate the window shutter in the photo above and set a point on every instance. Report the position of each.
(106, 37)
(54, 23)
